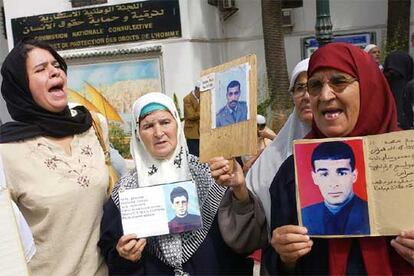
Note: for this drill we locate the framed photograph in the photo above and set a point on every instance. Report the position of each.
(228, 109)
(110, 83)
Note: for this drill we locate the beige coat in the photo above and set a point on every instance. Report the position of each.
(191, 117)
(61, 196)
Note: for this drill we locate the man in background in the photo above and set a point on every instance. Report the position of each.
(192, 120)
(375, 52)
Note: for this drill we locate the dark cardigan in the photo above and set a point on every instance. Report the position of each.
(213, 256)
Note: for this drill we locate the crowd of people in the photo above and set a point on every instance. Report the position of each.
(70, 220)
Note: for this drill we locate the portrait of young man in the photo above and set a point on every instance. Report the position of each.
(235, 110)
(342, 212)
(183, 221)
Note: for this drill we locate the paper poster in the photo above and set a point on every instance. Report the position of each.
(360, 186)
(12, 260)
(159, 210)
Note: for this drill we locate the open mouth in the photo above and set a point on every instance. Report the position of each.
(57, 89)
(332, 114)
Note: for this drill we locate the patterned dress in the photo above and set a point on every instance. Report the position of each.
(61, 196)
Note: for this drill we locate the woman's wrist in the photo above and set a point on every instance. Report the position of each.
(241, 193)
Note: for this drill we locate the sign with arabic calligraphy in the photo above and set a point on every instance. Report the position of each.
(124, 23)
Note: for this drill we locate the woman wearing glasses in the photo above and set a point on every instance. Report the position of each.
(253, 230)
(262, 172)
(349, 97)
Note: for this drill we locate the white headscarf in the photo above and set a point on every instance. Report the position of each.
(369, 47)
(302, 66)
(173, 249)
(260, 119)
(152, 171)
(261, 174)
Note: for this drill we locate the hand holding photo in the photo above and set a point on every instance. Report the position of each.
(228, 109)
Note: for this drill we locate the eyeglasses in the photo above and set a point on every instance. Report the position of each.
(299, 90)
(337, 82)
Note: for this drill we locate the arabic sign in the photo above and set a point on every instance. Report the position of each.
(310, 44)
(139, 21)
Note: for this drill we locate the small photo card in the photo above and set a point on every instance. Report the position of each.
(158, 210)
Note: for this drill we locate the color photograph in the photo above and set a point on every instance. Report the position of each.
(182, 207)
(332, 187)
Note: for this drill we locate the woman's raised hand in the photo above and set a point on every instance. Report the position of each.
(222, 174)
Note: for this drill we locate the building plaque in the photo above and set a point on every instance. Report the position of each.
(105, 25)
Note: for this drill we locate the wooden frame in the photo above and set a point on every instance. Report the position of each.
(232, 140)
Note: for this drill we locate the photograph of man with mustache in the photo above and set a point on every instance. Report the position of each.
(234, 111)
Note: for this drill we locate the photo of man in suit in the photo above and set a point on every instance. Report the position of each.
(183, 221)
(234, 111)
(342, 212)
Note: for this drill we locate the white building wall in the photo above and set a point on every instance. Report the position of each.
(208, 41)
(347, 16)
(243, 34)
(201, 45)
